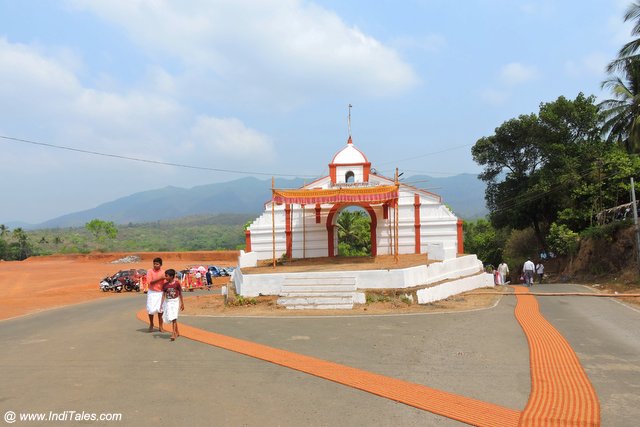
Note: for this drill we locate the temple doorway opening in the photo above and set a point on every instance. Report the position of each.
(353, 229)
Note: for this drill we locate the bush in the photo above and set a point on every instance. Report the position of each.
(520, 245)
(562, 240)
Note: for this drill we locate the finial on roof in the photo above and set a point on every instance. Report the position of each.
(349, 125)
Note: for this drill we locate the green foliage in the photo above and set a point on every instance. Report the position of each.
(18, 247)
(520, 245)
(102, 230)
(239, 301)
(206, 232)
(372, 297)
(562, 240)
(354, 236)
(482, 239)
(606, 231)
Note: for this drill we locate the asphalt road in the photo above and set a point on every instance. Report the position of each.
(98, 358)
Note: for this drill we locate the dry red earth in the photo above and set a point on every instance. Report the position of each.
(39, 283)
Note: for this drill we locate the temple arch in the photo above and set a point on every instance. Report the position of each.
(333, 229)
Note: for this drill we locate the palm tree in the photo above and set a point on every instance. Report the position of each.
(621, 114)
(628, 51)
(3, 230)
(353, 233)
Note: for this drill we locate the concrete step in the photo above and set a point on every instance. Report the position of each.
(302, 280)
(318, 288)
(316, 294)
(321, 307)
(316, 300)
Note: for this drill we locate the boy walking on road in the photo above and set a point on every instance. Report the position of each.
(172, 301)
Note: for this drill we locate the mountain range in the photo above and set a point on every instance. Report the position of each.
(463, 193)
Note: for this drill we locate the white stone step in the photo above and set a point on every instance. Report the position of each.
(321, 307)
(316, 300)
(303, 280)
(318, 288)
(316, 294)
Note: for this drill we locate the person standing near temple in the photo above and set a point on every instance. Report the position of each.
(528, 270)
(503, 269)
(540, 271)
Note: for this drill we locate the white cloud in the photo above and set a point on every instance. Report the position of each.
(494, 96)
(287, 47)
(430, 43)
(592, 64)
(49, 100)
(516, 73)
(230, 138)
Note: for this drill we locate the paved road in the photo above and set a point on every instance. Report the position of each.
(96, 357)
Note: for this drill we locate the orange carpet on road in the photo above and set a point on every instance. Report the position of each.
(460, 408)
(561, 393)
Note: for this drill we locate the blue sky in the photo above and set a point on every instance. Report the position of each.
(262, 87)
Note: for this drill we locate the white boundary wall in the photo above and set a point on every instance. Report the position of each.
(445, 290)
(252, 285)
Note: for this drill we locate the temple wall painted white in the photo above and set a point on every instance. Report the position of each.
(309, 238)
(270, 284)
(341, 172)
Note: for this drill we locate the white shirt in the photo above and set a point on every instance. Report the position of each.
(529, 266)
(540, 268)
(503, 268)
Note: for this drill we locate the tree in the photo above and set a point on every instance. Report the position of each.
(532, 163)
(622, 112)
(102, 229)
(630, 49)
(21, 248)
(353, 233)
(486, 242)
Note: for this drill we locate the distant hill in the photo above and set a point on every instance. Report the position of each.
(463, 193)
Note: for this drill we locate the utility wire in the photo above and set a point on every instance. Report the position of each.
(427, 154)
(136, 159)
(521, 200)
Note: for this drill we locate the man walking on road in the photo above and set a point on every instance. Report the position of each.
(155, 280)
(528, 270)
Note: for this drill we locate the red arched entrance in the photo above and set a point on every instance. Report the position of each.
(331, 227)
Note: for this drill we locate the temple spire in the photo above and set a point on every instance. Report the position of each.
(349, 125)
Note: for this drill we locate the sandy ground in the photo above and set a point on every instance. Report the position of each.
(40, 283)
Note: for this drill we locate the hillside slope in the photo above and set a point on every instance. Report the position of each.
(463, 193)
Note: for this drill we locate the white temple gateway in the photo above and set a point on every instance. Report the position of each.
(404, 219)
(302, 223)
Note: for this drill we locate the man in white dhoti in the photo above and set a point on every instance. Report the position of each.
(155, 280)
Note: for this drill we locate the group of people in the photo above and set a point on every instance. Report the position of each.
(164, 297)
(529, 272)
